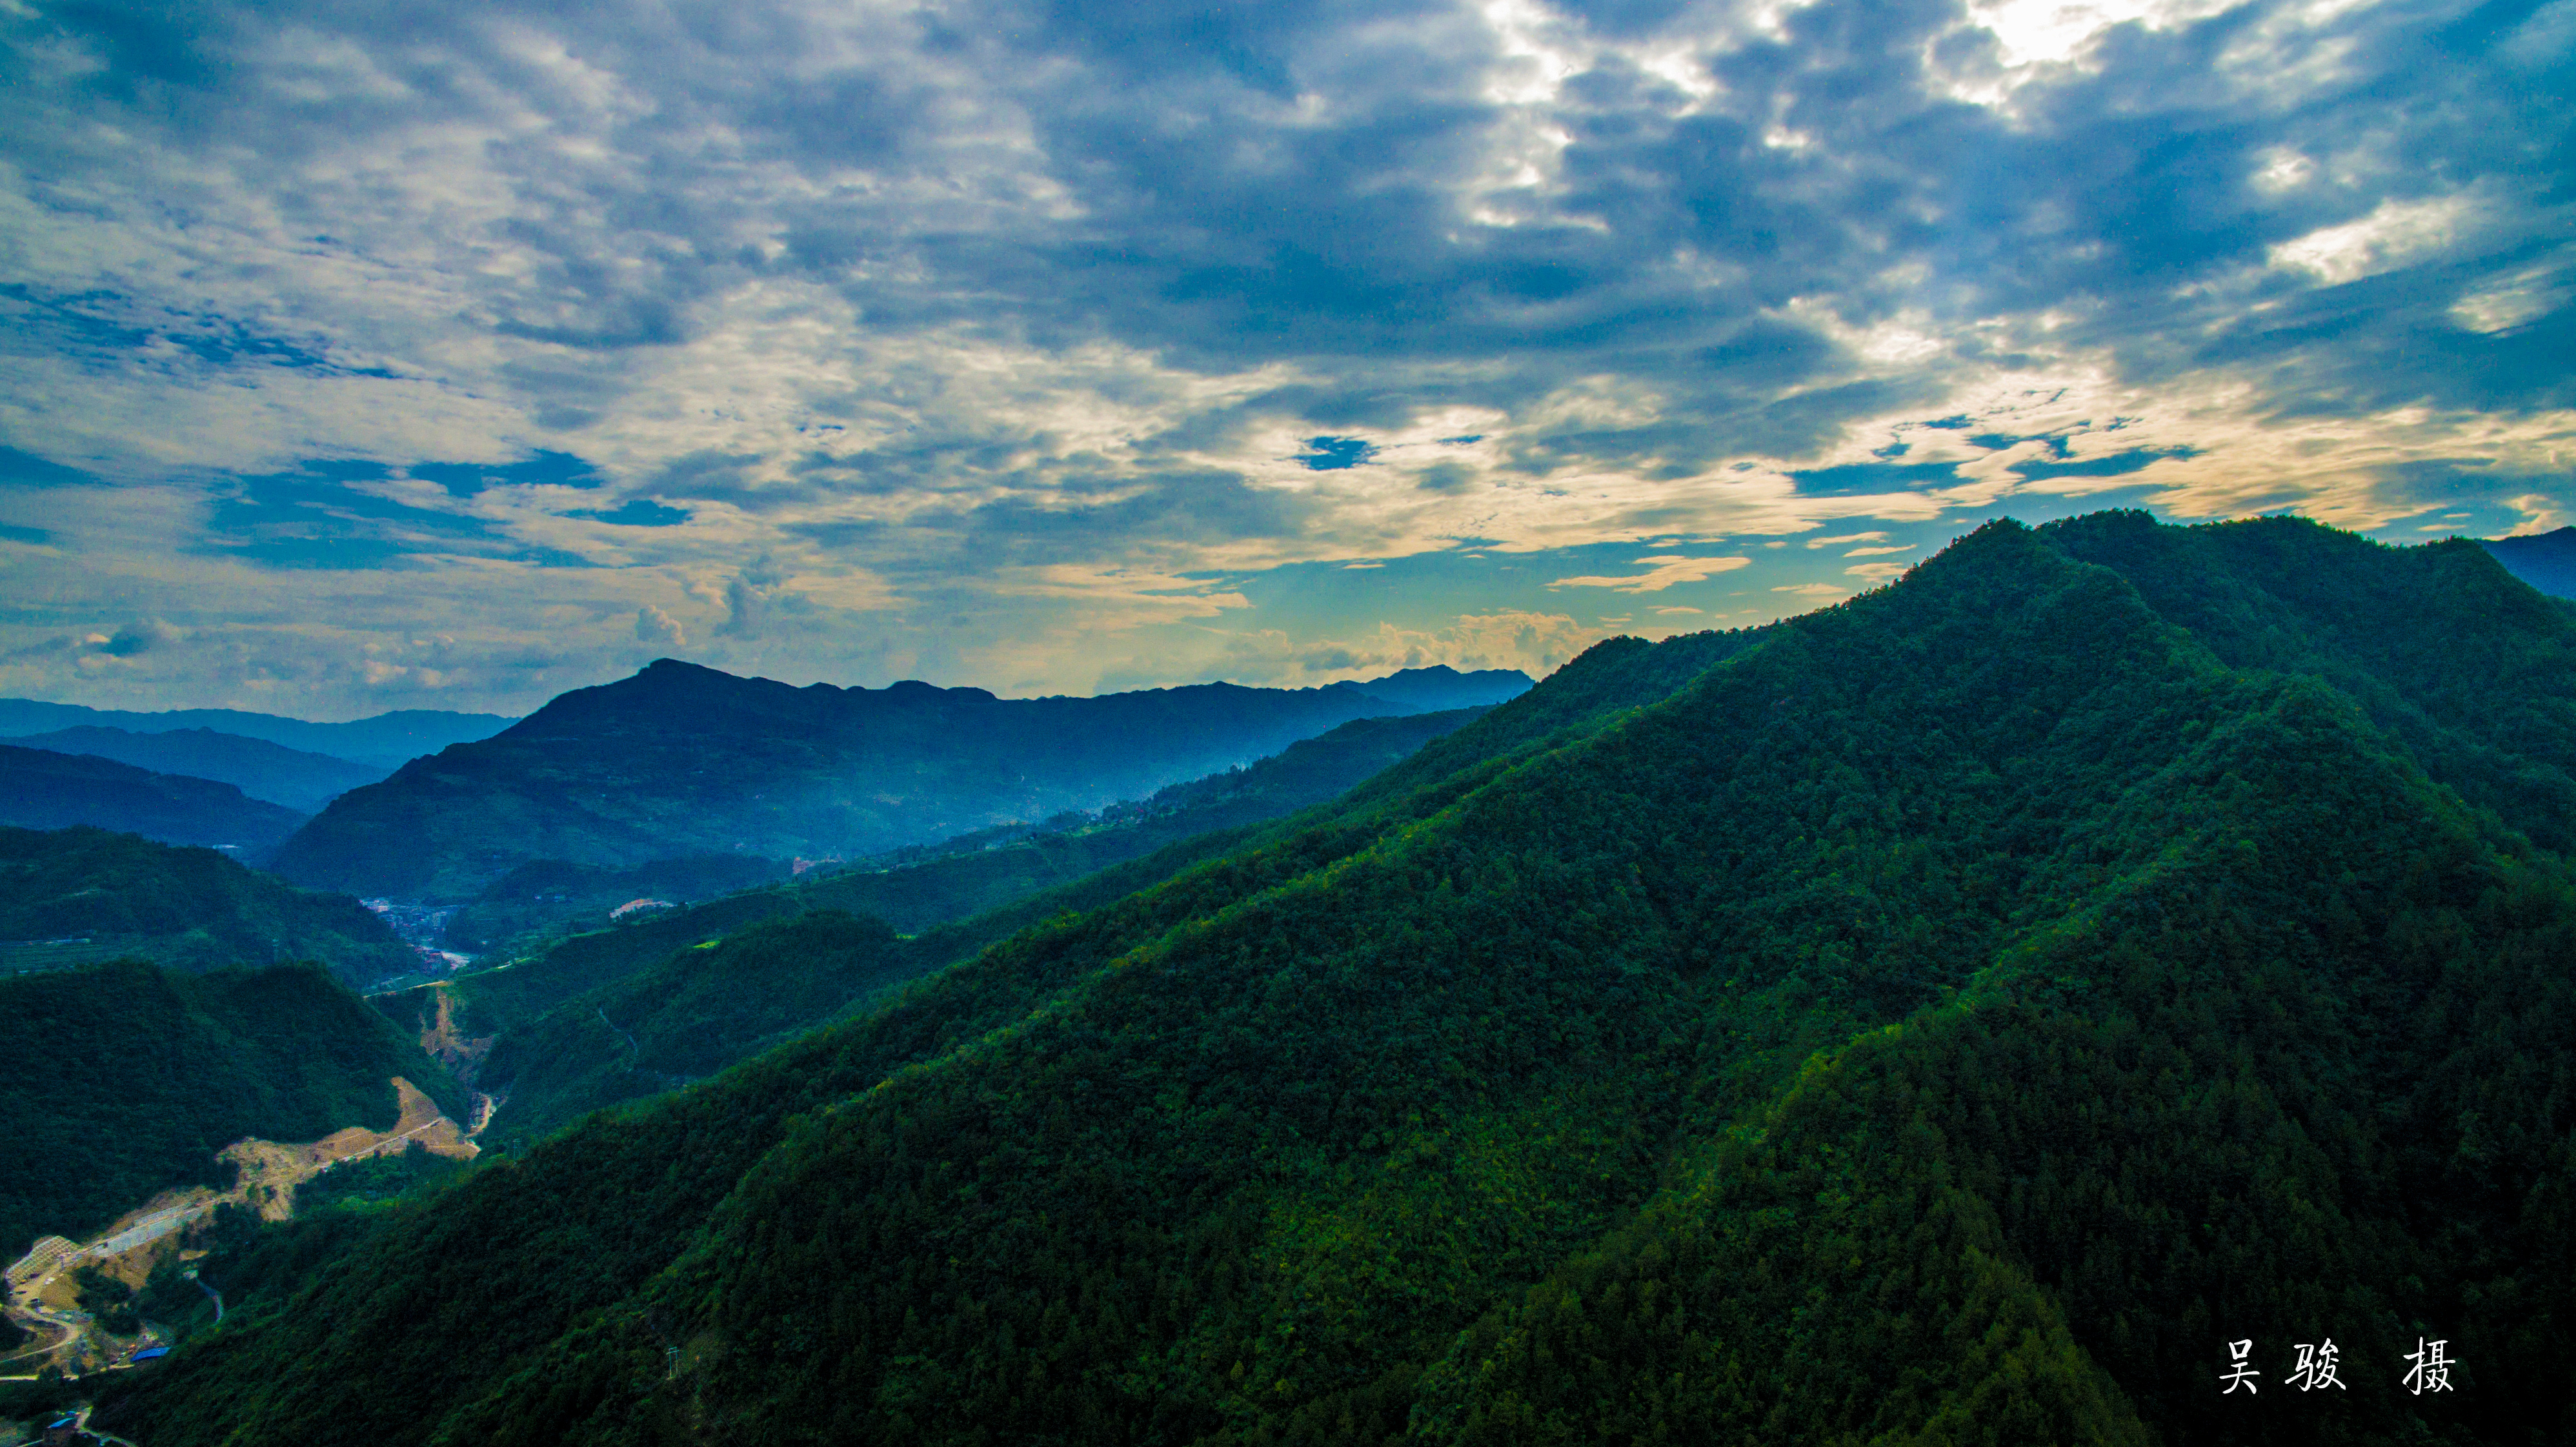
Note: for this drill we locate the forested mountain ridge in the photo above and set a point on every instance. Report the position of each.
(1950, 1018)
(118, 895)
(2439, 644)
(681, 759)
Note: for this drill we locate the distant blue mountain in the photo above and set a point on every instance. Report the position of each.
(1440, 687)
(40, 789)
(681, 760)
(388, 740)
(263, 770)
(2546, 561)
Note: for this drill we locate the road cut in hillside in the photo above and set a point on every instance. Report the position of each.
(44, 1291)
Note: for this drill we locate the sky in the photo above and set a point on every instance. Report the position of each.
(438, 355)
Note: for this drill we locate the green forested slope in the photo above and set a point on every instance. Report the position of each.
(1949, 1019)
(120, 1080)
(2469, 667)
(687, 1017)
(191, 909)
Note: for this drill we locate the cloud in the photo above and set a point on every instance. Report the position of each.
(140, 636)
(655, 627)
(1009, 322)
(746, 608)
(1669, 569)
(2541, 514)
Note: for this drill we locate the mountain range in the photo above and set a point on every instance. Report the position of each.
(292, 778)
(1952, 1016)
(384, 741)
(42, 789)
(682, 760)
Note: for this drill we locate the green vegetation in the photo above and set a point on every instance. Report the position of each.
(40, 789)
(688, 1017)
(81, 896)
(686, 760)
(1948, 1017)
(108, 1299)
(122, 1080)
(371, 1182)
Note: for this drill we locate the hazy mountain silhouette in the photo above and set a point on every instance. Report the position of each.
(41, 789)
(301, 781)
(682, 760)
(384, 741)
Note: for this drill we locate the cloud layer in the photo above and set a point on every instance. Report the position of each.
(436, 353)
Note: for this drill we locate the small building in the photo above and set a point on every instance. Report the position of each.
(149, 1354)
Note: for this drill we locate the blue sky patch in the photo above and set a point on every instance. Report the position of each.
(637, 512)
(314, 517)
(26, 469)
(2115, 464)
(1331, 454)
(1873, 477)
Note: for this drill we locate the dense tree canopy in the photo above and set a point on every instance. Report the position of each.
(72, 896)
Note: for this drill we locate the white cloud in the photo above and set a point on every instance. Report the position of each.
(1669, 569)
(2540, 514)
(659, 629)
(2394, 233)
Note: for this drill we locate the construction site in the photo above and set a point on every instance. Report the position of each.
(44, 1296)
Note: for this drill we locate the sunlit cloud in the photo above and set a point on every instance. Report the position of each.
(1667, 570)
